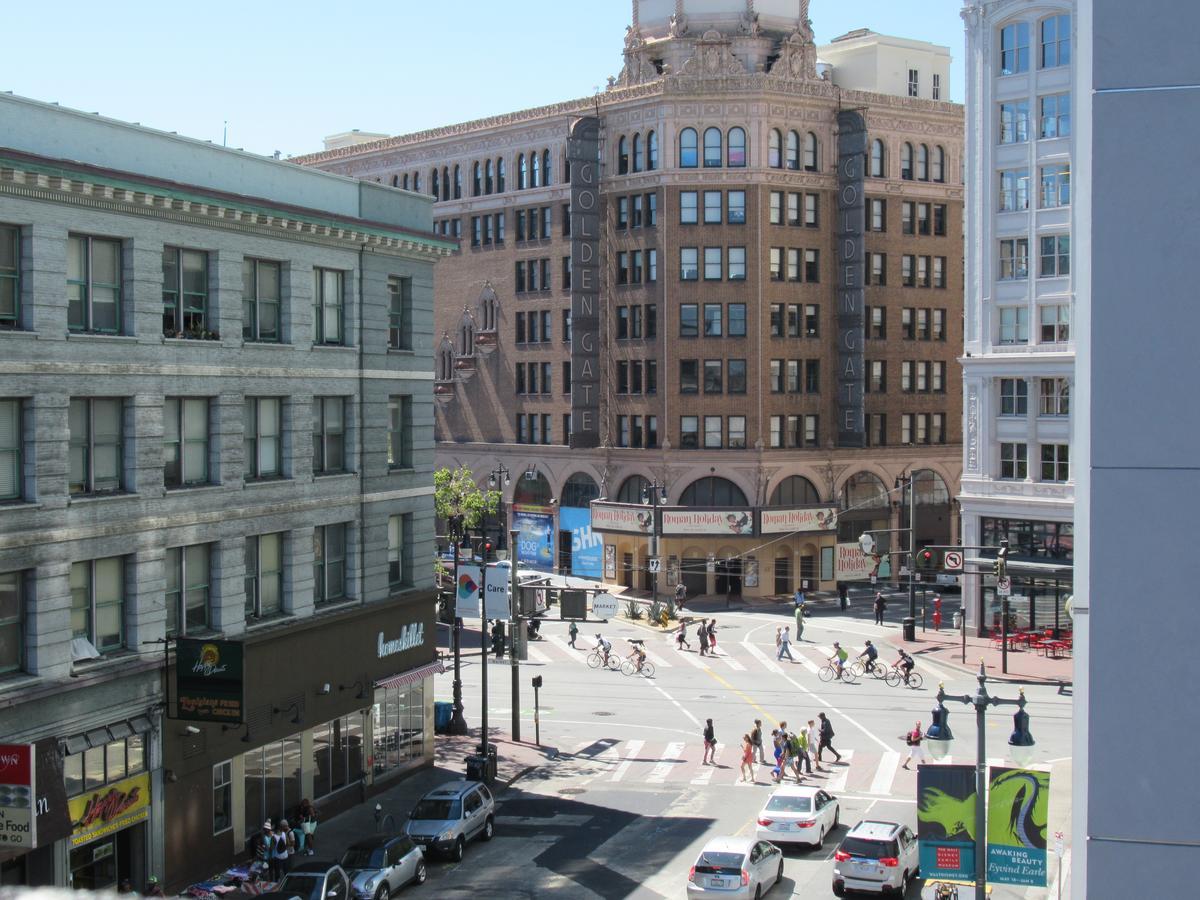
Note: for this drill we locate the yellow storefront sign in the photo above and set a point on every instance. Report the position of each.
(110, 808)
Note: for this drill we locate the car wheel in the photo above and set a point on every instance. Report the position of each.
(758, 892)
(382, 892)
(904, 885)
(459, 848)
(839, 889)
(779, 874)
(489, 829)
(837, 815)
(422, 873)
(820, 839)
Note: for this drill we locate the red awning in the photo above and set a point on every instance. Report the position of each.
(412, 675)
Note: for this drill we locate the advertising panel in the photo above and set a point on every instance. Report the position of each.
(208, 681)
(699, 521)
(946, 821)
(610, 561)
(466, 593)
(782, 521)
(109, 809)
(535, 540)
(18, 797)
(854, 565)
(583, 158)
(622, 517)
(587, 548)
(1018, 810)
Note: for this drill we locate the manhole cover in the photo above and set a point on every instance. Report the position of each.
(604, 713)
(708, 697)
(570, 792)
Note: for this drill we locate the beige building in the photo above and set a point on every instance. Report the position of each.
(720, 371)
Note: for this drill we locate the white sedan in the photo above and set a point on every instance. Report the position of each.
(735, 868)
(798, 815)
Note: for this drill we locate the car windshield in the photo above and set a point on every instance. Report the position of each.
(718, 863)
(869, 849)
(306, 884)
(363, 858)
(789, 804)
(440, 810)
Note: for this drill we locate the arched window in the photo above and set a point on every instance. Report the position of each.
(639, 155)
(534, 491)
(811, 155)
(417, 182)
(793, 150)
(580, 490)
(546, 167)
(651, 151)
(775, 149)
(476, 181)
(435, 184)
(939, 163)
(466, 338)
(864, 491)
(488, 182)
(406, 181)
(631, 489)
(712, 491)
(865, 507)
(500, 175)
(932, 519)
(487, 309)
(457, 182)
(795, 490)
(536, 180)
(445, 183)
(522, 173)
(736, 148)
(712, 148)
(906, 161)
(622, 155)
(688, 149)
(445, 366)
(395, 181)
(922, 162)
(878, 159)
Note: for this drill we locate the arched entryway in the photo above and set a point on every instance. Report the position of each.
(931, 524)
(533, 520)
(712, 491)
(865, 507)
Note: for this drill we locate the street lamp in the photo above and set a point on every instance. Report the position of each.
(1020, 743)
(458, 724)
(500, 477)
(655, 494)
(910, 621)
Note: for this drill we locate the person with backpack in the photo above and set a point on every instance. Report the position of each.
(285, 844)
(264, 844)
(702, 637)
(794, 754)
(680, 595)
(802, 752)
(710, 743)
(712, 636)
(777, 753)
(572, 633)
(826, 733)
(814, 744)
(915, 751)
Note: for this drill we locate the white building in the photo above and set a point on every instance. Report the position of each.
(863, 60)
(1019, 353)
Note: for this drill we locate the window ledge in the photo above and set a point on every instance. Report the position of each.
(335, 347)
(18, 505)
(101, 338)
(402, 351)
(17, 333)
(408, 470)
(330, 606)
(262, 623)
(12, 682)
(100, 498)
(110, 660)
(259, 482)
(326, 476)
(192, 488)
(267, 345)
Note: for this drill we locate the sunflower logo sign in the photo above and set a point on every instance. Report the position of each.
(466, 598)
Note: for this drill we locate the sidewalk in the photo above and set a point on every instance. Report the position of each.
(336, 834)
(944, 648)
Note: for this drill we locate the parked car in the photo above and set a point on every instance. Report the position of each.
(379, 865)
(446, 818)
(798, 815)
(877, 857)
(314, 880)
(740, 868)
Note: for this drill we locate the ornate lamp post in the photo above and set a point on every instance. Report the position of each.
(655, 494)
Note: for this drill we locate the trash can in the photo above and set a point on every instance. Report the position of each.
(443, 712)
(489, 755)
(477, 768)
(958, 619)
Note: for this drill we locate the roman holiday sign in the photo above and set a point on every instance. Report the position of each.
(781, 521)
(410, 636)
(612, 517)
(697, 521)
(583, 158)
(851, 258)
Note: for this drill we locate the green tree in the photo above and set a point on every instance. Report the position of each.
(459, 502)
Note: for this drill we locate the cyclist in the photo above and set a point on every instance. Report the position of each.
(839, 658)
(639, 652)
(603, 646)
(905, 664)
(871, 654)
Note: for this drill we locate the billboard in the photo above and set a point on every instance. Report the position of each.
(851, 271)
(1018, 810)
(854, 565)
(583, 160)
(535, 540)
(946, 821)
(18, 797)
(587, 548)
(782, 521)
(699, 521)
(208, 681)
(111, 808)
(622, 517)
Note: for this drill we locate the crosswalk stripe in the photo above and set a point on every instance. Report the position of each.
(837, 780)
(693, 659)
(658, 660)
(803, 659)
(671, 756)
(731, 662)
(704, 776)
(885, 774)
(933, 671)
(560, 643)
(537, 655)
(770, 665)
(632, 749)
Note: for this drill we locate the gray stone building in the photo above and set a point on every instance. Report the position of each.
(216, 422)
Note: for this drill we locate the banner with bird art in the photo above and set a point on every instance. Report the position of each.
(946, 821)
(1018, 810)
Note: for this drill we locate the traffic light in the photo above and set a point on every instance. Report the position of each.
(996, 568)
(927, 559)
(487, 550)
(1002, 559)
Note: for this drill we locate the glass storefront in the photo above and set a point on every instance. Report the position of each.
(338, 754)
(272, 782)
(105, 863)
(1028, 539)
(398, 720)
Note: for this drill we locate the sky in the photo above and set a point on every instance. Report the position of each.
(283, 75)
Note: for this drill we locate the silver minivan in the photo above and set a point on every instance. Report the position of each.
(449, 816)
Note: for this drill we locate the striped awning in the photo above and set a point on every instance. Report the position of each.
(412, 675)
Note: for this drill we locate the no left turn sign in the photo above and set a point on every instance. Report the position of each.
(952, 561)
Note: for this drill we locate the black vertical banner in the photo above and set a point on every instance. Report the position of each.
(851, 259)
(583, 156)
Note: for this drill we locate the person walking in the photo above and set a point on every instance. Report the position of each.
(284, 846)
(756, 741)
(681, 640)
(814, 744)
(843, 595)
(804, 751)
(710, 743)
(572, 632)
(880, 607)
(308, 824)
(915, 750)
(826, 734)
(800, 613)
(777, 753)
(798, 597)
(747, 758)
(702, 637)
(785, 646)
(264, 844)
(712, 636)
(680, 595)
(937, 612)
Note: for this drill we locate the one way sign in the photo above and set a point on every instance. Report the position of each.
(952, 561)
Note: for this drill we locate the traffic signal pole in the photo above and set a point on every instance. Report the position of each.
(910, 623)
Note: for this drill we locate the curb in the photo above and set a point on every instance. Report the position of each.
(1003, 679)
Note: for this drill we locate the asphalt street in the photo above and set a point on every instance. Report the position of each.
(624, 810)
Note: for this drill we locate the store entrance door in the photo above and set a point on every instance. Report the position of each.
(105, 863)
(695, 575)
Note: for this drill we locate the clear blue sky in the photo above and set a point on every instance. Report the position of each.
(285, 74)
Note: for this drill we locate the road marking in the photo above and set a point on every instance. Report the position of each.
(803, 659)
(678, 705)
(762, 658)
(671, 756)
(730, 661)
(659, 661)
(704, 776)
(633, 748)
(837, 781)
(875, 800)
(885, 774)
(729, 687)
(536, 655)
(693, 659)
(937, 673)
(560, 642)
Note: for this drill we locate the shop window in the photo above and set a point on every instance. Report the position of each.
(399, 726)
(222, 796)
(337, 754)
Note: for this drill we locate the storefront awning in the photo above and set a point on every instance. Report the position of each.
(98, 737)
(412, 675)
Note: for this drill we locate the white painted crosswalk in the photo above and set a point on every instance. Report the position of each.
(671, 757)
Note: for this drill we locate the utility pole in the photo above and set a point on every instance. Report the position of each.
(483, 657)
(458, 724)
(515, 624)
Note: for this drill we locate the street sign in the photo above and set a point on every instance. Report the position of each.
(604, 606)
(1058, 844)
(952, 561)
(874, 578)
(655, 565)
(1004, 587)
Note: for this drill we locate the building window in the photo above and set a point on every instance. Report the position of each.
(185, 292)
(185, 441)
(914, 83)
(878, 159)
(10, 276)
(811, 210)
(712, 148)
(737, 263)
(1054, 396)
(689, 320)
(1014, 325)
(689, 432)
(1056, 186)
(878, 215)
(1056, 324)
(937, 88)
(712, 263)
(400, 432)
(775, 439)
(12, 621)
(652, 151)
(1056, 41)
(877, 376)
(712, 207)
(688, 148)
(877, 430)
(713, 369)
(811, 152)
(689, 264)
(399, 313)
(264, 575)
(329, 563)
(735, 438)
(939, 271)
(98, 602)
(775, 149)
(187, 572)
(712, 319)
(1055, 462)
(877, 326)
(775, 209)
(713, 436)
(689, 376)
(96, 445)
(1014, 259)
(1014, 396)
(688, 207)
(1055, 116)
(736, 150)
(776, 263)
(327, 314)
(1014, 122)
(93, 285)
(812, 266)
(1055, 256)
(1014, 48)
(735, 213)
(264, 432)
(908, 276)
(11, 454)
(906, 161)
(737, 320)
(260, 301)
(329, 435)
(400, 551)
(736, 382)
(622, 155)
(793, 150)
(222, 780)
(1014, 190)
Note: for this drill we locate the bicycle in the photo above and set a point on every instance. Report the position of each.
(829, 673)
(629, 666)
(595, 660)
(895, 676)
(879, 670)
